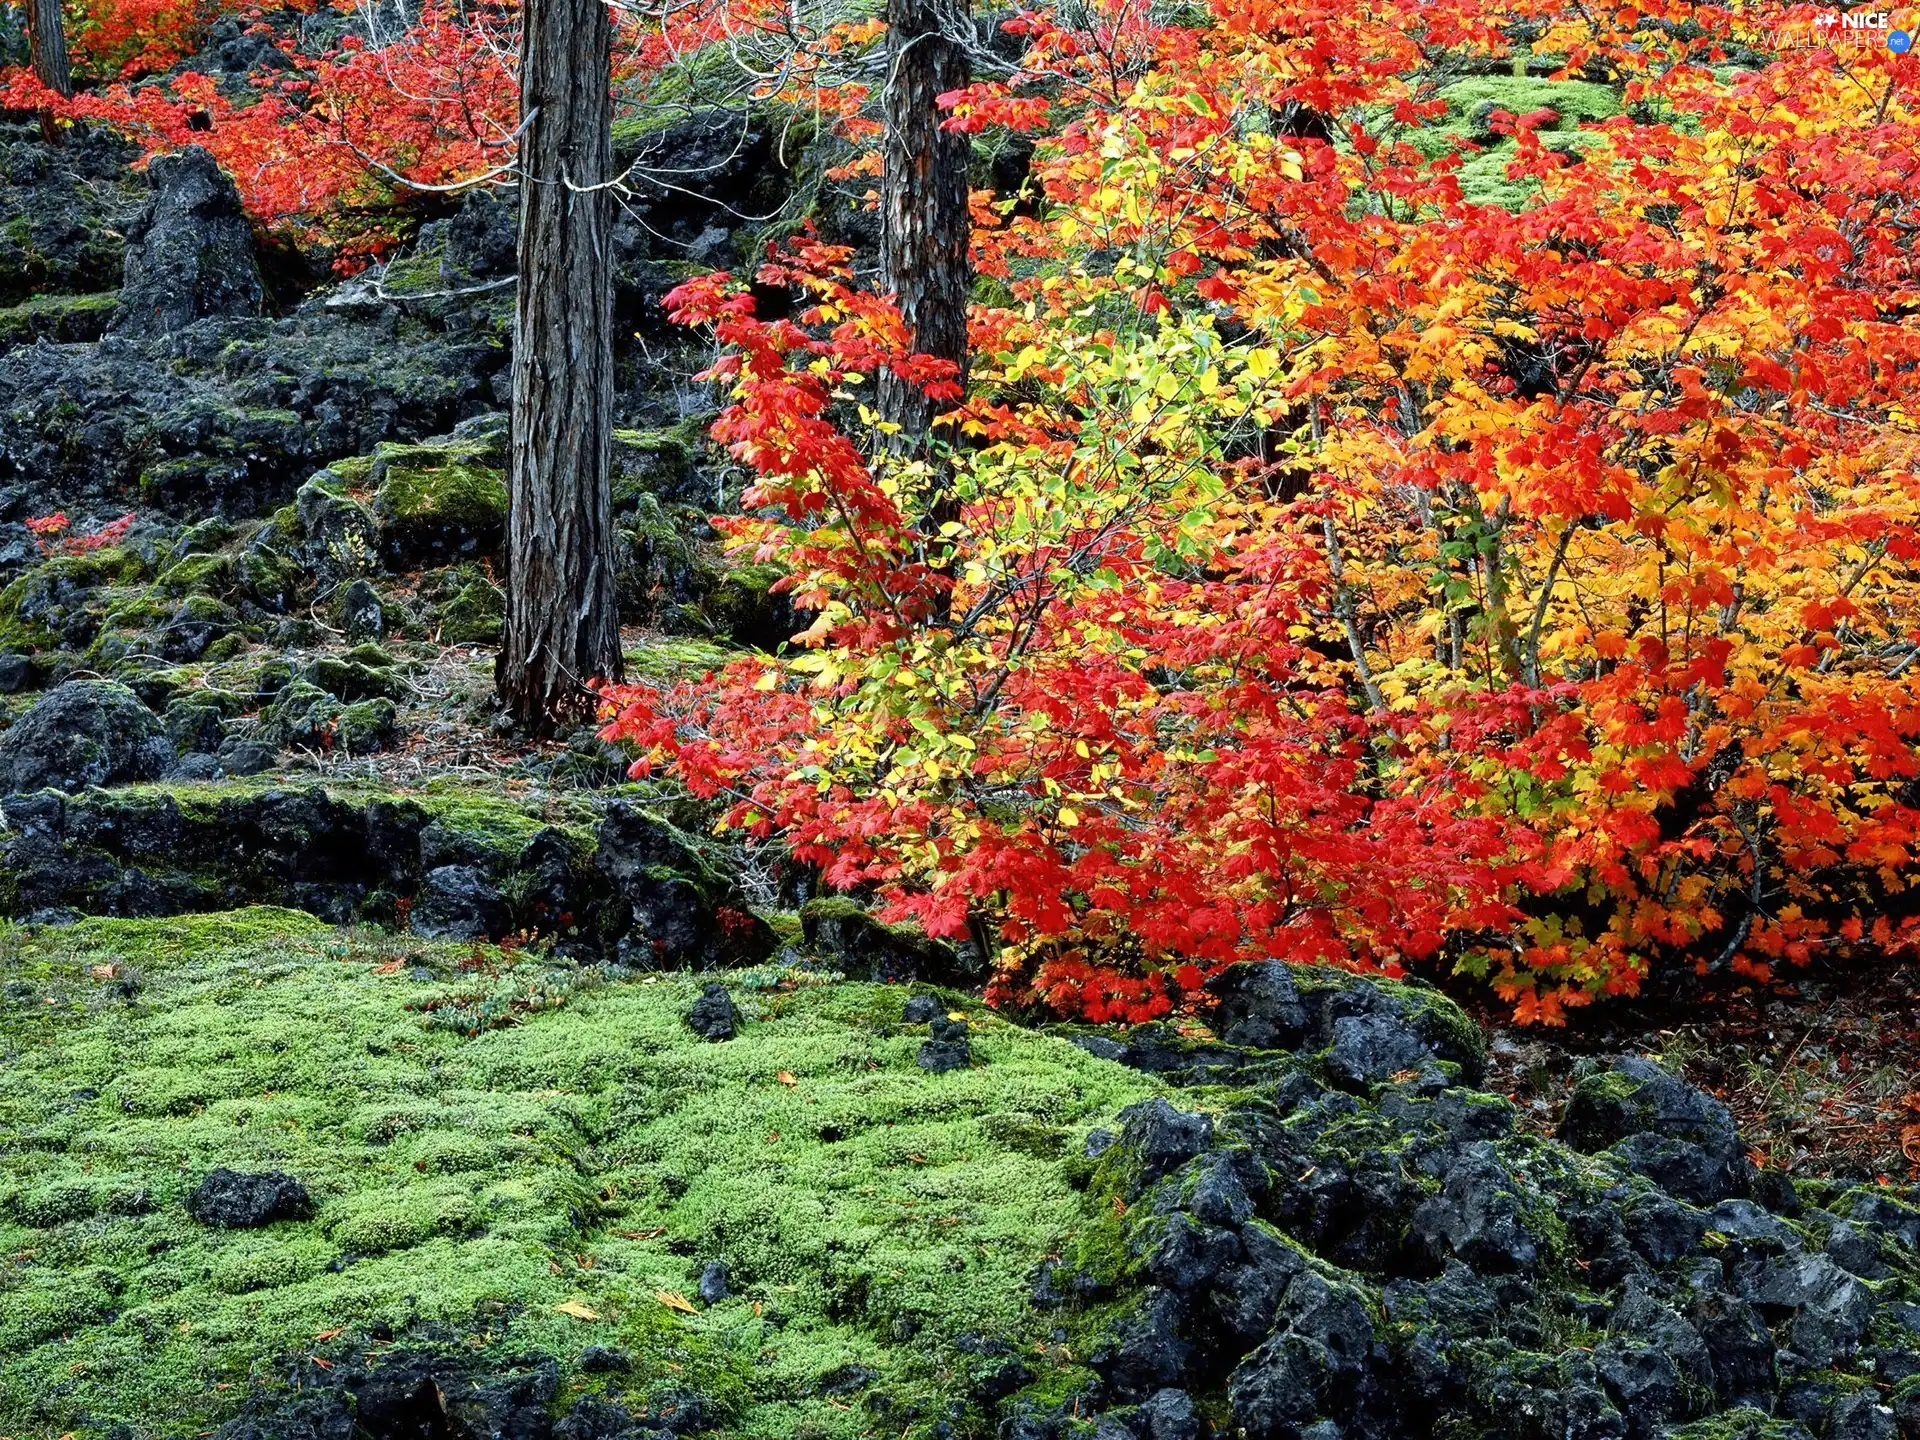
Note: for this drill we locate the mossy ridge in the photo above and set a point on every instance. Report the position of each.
(500, 821)
(865, 1210)
(663, 658)
(207, 846)
(50, 590)
(62, 319)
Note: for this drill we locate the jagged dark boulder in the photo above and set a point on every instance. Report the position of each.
(67, 211)
(870, 949)
(459, 902)
(86, 732)
(1316, 1252)
(480, 239)
(677, 910)
(948, 1049)
(714, 1016)
(1260, 1007)
(920, 1009)
(1677, 1136)
(232, 1200)
(190, 254)
(230, 417)
(409, 1394)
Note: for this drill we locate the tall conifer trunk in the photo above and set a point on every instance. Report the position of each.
(562, 623)
(47, 46)
(924, 195)
(47, 51)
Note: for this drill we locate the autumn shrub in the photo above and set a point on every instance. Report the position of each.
(1340, 569)
(111, 38)
(344, 149)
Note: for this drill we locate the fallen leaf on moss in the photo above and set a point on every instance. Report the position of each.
(786, 1078)
(577, 1309)
(675, 1301)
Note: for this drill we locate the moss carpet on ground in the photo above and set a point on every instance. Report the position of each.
(507, 1156)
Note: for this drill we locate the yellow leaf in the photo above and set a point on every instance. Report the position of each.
(1068, 817)
(578, 1309)
(675, 1301)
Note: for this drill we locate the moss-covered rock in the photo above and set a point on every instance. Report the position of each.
(87, 732)
(363, 674)
(657, 463)
(463, 606)
(340, 537)
(859, 944)
(439, 501)
(739, 603)
(62, 600)
(61, 319)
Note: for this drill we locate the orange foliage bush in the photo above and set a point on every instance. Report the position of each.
(1345, 569)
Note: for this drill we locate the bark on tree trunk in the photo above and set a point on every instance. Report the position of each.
(562, 624)
(47, 46)
(924, 196)
(47, 51)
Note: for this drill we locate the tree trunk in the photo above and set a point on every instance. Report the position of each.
(563, 623)
(924, 197)
(47, 46)
(47, 50)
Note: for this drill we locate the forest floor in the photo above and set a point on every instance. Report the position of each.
(1821, 1066)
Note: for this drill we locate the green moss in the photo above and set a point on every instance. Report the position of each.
(498, 826)
(1577, 101)
(1483, 175)
(417, 273)
(195, 575)
(350, 679)
(869, 1212)
(346, 475)
(1741, 1424)
(464, 492)
(39, 603)
(366, 727)
(666, 657)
